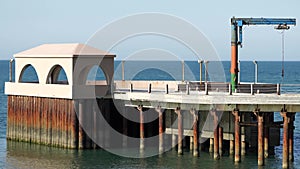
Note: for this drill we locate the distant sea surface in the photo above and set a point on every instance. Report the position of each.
(25, 155)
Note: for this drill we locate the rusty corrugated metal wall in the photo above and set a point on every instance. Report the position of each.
(42, 120)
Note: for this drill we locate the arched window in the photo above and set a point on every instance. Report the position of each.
(28, 75)
(153, 74)
(96, 76)
(57, 75)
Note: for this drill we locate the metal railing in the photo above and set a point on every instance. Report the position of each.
(213, 87)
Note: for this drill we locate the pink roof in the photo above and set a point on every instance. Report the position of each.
(62, 50)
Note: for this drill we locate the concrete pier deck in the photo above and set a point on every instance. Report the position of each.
(222, 100)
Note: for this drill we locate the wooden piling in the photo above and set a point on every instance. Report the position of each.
(74, 133)
(243, 137)
(211, 145)
(174, 143)
(180, 130)
(195, 133)
(8, 128)
(285, 148)
(243, 147)
(49, 122)
(161, 133)
(65, 125)
(142, 134)
(291, 137)
(41, 120)
(220, 141)
(237, 134)
(231, 147)
(81, 133)
(37, 103)
(266, 136)
(216, 134)
(260, 142)
(160, 130)
(25, 120)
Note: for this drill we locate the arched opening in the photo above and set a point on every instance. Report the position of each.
(28, 75)
(96, 76)
(57, 75)
(153, 74)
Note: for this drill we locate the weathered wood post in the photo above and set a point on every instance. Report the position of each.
(266, 134)
(291, 137)
(174, 143)
(237, 135)
(195, 132)
(243, 138)
(285, 148)
(211, 145)
(74, 127)
(216, 134)
(160, 129)
(221, 141)
(142, 134)
(180, 130)
(81, 135)
(191, 143)
(231, 147)
(260, 137)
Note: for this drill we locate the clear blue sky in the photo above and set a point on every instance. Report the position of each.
(25, 24)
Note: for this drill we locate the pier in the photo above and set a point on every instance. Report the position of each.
(244, 114)
(194, 115)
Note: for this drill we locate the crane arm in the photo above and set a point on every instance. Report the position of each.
(263, 21)
(237, 36)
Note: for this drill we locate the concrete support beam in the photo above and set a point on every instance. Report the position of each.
(237, 135)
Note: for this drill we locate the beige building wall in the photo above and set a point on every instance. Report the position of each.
(75, 59)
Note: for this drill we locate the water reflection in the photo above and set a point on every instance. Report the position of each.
(25, 155)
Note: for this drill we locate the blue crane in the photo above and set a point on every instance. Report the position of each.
(237, 37)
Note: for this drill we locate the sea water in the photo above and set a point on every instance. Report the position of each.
(24, 155)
